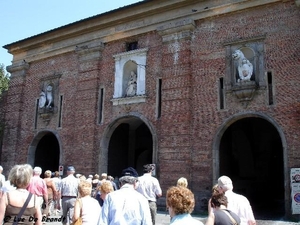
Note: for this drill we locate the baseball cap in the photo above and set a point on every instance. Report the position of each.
(129, 172)
(70, 168)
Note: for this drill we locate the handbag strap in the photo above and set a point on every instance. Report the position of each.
(230, 217)
(23, 208)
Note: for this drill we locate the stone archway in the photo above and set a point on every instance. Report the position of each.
(44, 151)
(129, 141)
(252, 151)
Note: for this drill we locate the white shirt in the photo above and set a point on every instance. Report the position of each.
(125, 206)
(149, 187)
(240, 205)
(90, 211)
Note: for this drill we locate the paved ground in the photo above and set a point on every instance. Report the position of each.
(164, 219)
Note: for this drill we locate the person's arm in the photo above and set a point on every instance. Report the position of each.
(77, 209)
(210, 219)
(2, 205)
(38, 213)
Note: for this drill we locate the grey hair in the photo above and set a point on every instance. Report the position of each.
(1, 168)
(128, 179)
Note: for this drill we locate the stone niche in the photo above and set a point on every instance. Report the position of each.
(245, 69)
(48, 100)
(130, 77)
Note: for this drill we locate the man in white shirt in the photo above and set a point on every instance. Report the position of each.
(237, 203)
(126, 205)
(150, 188)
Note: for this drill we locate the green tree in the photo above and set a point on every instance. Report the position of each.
(4, 79)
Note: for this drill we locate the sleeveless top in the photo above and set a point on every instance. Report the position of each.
(12, 211)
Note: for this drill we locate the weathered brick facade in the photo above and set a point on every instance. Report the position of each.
(189, 46)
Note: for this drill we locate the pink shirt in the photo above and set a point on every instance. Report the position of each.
(37, 186)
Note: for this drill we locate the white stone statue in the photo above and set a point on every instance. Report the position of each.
(131, 87)
(244, 66)
(42, 100)
(49, 96)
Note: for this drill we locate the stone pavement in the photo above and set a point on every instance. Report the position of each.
(164, 219)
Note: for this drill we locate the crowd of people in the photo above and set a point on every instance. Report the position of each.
(28, 198)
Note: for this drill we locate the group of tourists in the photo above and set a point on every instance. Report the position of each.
(27, 198)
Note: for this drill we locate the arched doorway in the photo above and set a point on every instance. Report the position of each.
(129, 142)
(251, 154)
(45, 152)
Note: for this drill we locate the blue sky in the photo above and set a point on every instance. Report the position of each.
(20, 19)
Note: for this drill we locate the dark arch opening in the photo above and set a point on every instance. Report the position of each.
(131, 144)
(251, 154)
(47, 153)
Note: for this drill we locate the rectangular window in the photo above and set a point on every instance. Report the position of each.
(131, 46)
(60, 111)
(270, 88)
(100, 112)
(159, 98)
(221, 93)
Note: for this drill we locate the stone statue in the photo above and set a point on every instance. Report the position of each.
(46, 98)
(42, 100)
(131, 86)
(244, 66)
(49, 96)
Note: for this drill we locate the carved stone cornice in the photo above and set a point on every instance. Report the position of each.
(18, 69)
(89, 51)
(179, 29)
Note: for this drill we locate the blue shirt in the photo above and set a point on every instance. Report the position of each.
(184, 219)
(125, 206)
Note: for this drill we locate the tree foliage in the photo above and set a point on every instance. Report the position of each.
(4, 79)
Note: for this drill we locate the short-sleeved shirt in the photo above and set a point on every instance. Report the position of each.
(149, 187)
(37, 186)
(240, 205)
(69, 186)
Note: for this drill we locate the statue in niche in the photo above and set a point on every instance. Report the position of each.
(244, 66)
(46, 99)
(131, 85)
(42, 100)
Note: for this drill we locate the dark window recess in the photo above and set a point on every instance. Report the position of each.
(60, 111)
(270, 88)
(131, 46)
(100, 106)
(221, 92)
(36, 113)
(159, 98)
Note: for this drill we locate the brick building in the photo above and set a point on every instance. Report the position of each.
(200, 88)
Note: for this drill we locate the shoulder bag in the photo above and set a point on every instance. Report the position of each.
(79, 220)
(230, 217)
(23, 208)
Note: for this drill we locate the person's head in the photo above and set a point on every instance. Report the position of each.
(90, 176)
(215, 189)
(103, 176)
(105, 188)
(70, 170)
(84, 188)
(56, 174)
(37, 171)
(182, 182)
(129, 176)
(20, 175)
(47, 174)
(225, 183)
(96, 176)
(148, 168)
(1, 169)
(218, 199)
(180, 200)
